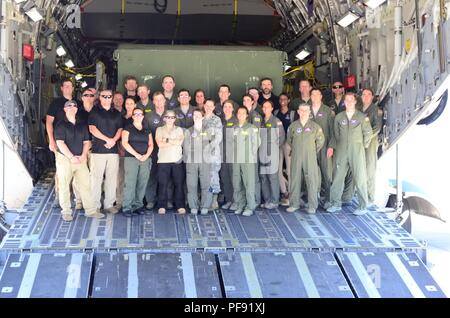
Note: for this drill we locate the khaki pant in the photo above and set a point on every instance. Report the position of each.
(120, 182)
(74, 184)
(80, 173)
(285, 155)
(106, 165)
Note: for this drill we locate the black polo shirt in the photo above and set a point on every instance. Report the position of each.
(108, 122)
(56, 109)
(273, 98)
(72, 135)
(138, 139)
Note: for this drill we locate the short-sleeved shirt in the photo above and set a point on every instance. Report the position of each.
(138, 139)
(273, 98)
(287, 118)
(73, 135)
(108, 122)
(83, 115)
(56, 109)
(173, 153)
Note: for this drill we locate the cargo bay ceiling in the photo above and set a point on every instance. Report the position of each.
(287, 25)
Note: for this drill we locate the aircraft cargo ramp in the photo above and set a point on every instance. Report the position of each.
(270, 254)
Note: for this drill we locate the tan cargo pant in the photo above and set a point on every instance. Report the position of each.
(104, 165)
(67, 171)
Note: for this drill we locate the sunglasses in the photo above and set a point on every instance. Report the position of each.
(337, 86)
(106, 96)
(170, 117)
(89, 95)
(71, 105)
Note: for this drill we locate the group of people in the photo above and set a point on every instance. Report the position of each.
(145, 153)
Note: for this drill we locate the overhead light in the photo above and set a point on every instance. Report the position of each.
(373, 4)
(84, 84)
(348, 19)
(34, 14)
(303, 54)
(354, 13)
(60, 51)
(69, 64)
(19, 1)
(78, 77)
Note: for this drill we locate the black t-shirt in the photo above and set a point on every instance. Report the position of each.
(108, 122)
(138, 139)
(285, 119)
(273, 98)
(56, 109)
(127, 121)
(72, 135)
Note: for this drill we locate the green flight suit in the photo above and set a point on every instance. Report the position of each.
(325, 119)
(272, 137)
(255, 118)
(305, 141)
(352, 137)
(198, 167)
(246, 142)
(374, 114)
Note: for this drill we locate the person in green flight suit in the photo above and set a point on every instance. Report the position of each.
(352, 132)
(306, 138)
(371, 110)
(323, 116)
(245, 146)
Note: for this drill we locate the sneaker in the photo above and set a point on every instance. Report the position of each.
(194, 211)
(181, 211)
(372, 206)
(161, 211)
(284, 202)
(226, 206)
(247, 212)
(238, 211)
(360, 212)
(333, 209)
(112, 210)
(311, 211)
(127, 213)
(234, 207)
(204, 211)
(150, 205)
(327, 205)
(292, 209)
(271, 206)
(67, 217)
(169, 205)
(95, 215)
(78, 206)
(263, 206)
(347, 203)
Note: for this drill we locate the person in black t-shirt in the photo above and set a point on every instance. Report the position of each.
(73, 143)
(105, 125)
(138, 143)
(127, 119)
(131, 85)
(55, 114)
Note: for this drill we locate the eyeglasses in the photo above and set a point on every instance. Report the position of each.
(138, 115)
(106, 96)
(170, 117)
(89, 95)
(337, 86)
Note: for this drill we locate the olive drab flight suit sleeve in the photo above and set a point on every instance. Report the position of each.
(374, 114)
(367, 131)
(320, 139)
(332, 140)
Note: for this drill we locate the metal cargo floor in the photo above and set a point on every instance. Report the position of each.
(270, 254)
